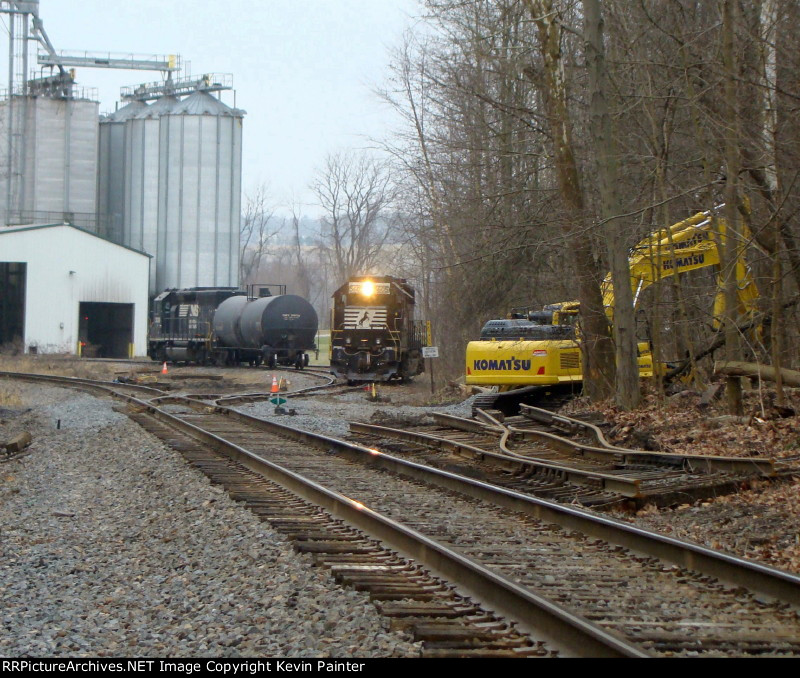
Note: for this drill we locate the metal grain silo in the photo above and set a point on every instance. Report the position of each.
(111, 171)
(61, 169)
(54, 164)
(200, 194)
(141, 183)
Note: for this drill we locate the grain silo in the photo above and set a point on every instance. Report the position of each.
(53, 162)
(141, 198)
(111, 171)
(199, 194)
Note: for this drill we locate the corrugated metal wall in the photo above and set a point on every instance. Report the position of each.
(142, 182)
(200, 200)
(181, 191)
(111, 171)
(54, 168)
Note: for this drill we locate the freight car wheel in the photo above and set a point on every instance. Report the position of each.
(269, 358)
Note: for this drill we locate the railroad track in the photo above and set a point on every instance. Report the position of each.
(432, 611)
(93, 385)
(548, 577)
(624, 593)
(510, 402)
(330, 389)
(327, 387)
(563, 459)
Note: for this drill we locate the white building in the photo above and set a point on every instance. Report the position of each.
(65, 290)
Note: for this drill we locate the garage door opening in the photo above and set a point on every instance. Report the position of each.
(105, 330)
(12, 305)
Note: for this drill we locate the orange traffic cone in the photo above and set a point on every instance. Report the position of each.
(274, 388)
(164, 368)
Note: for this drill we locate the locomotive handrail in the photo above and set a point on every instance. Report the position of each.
(166, 328)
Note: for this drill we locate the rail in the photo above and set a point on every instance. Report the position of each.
(765, 467)
(504, 594)
(627, 487)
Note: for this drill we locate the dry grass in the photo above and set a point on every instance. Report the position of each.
(66, 366)
(145, 371)
(9, 396)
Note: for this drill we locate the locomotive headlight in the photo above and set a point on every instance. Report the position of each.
(368, 288)
(378, 341)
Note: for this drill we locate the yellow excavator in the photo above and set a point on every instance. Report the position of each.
(542, 347)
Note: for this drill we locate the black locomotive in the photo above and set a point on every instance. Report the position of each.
(228, 326)
(374, 336)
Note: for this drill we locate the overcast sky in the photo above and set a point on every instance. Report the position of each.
(303, 70)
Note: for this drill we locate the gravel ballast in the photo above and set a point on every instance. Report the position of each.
(111, 545)
(331, 415)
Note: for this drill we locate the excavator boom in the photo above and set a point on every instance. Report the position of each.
(509, 360)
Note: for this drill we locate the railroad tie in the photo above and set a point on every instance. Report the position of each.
(415, 602)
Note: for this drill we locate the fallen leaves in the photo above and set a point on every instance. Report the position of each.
(762, 521)
(679, 424)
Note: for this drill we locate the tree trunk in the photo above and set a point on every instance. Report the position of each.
(742, 369)
(768, 19)
(628, 393)
(598, 353)
(731, 248)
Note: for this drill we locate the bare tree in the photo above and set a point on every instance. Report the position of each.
(732, 246)
(257, 229)
(500, 165)
(356, 195)
(302, 267)
(471, 156)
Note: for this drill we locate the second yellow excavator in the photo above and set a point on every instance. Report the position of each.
(542, 347)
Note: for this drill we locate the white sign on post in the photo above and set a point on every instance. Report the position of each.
(430, 351)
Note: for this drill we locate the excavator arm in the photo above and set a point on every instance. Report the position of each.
(691, 244)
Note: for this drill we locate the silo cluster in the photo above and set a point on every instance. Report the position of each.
(170, 185)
